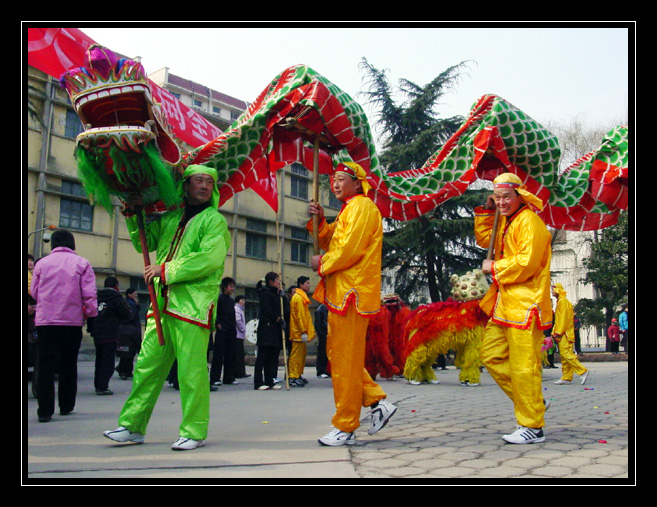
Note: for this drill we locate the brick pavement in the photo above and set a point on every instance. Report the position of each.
(447, 431)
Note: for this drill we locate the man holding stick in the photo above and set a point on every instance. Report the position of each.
(191, 244)
(350, 287)
(518, 301)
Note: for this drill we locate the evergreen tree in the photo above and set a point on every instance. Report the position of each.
(607, 268)
(425, 251)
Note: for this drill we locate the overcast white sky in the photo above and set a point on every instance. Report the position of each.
(554, 74)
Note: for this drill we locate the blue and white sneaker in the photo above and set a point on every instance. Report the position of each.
(336, 437)
(380, 415)
(524, 435)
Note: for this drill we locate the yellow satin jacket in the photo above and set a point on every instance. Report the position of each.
(300, 319)
(351, 267)
(521, 268)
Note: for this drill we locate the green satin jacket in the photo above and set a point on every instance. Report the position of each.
(192, 259)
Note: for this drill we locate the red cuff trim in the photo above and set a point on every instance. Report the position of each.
(163, 275)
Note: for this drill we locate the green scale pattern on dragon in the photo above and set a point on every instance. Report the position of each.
(128, 147)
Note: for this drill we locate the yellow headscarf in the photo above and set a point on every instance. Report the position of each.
(558, 288)
(356, 172)
(510, 180)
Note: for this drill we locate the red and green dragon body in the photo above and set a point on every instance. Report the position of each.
(127, 146)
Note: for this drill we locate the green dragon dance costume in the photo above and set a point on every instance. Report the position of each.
(192, 255)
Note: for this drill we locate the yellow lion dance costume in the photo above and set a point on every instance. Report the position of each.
(457, 324)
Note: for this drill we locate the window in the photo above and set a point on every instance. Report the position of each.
(73, 124)
(138, 283)
(299, 187)
(75, 213)
(299, 183)
(299, 250)
(334, 202)
(256, 244)
(252, 306)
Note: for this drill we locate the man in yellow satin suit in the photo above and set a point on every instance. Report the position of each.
(302, 331)
(563, 333)
(518, 301)
(350, 287)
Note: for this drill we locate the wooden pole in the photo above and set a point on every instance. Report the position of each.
(280, 277)
(493, 237)
(151, 286)
(316, 194)
(287, 373)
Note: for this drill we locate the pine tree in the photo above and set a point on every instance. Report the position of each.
(425, 251)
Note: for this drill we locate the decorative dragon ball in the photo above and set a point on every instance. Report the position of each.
(470, 286)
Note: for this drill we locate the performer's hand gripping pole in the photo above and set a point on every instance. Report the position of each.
(147, 262)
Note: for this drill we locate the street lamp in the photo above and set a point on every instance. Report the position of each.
(46, 236)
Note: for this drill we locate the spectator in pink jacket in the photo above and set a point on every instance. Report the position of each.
(64, 286)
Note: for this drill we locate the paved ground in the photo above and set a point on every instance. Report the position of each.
(442, 434)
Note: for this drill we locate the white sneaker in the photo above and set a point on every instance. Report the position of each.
(380, 416)
(336, 437)
(123, 434)
(562, 382)
(186, 444)
(524, 435)
(585, 376)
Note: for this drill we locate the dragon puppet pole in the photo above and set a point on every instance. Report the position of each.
(491, 245)
(316, 194)
(280, 277)
(287, 373)
(151, 286)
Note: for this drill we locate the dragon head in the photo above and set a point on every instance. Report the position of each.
(127, 144)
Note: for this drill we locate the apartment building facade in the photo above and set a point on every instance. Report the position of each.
(53, 196)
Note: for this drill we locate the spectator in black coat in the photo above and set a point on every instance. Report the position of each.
(112, 309)
(225, 337)
(129, 340)
(271, 326)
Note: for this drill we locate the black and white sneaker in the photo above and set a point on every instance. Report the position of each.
(186, 444)
(380, 414)
(123, 434)
(524, 435)
(337, 437)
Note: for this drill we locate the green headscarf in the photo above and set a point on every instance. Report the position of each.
(202, 169)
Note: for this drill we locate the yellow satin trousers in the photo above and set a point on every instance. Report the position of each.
(513, 358)
(188, 344)
(297, 359)
(569, 362)
(353, 387)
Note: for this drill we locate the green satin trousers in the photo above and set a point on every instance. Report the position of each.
(188, 343)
